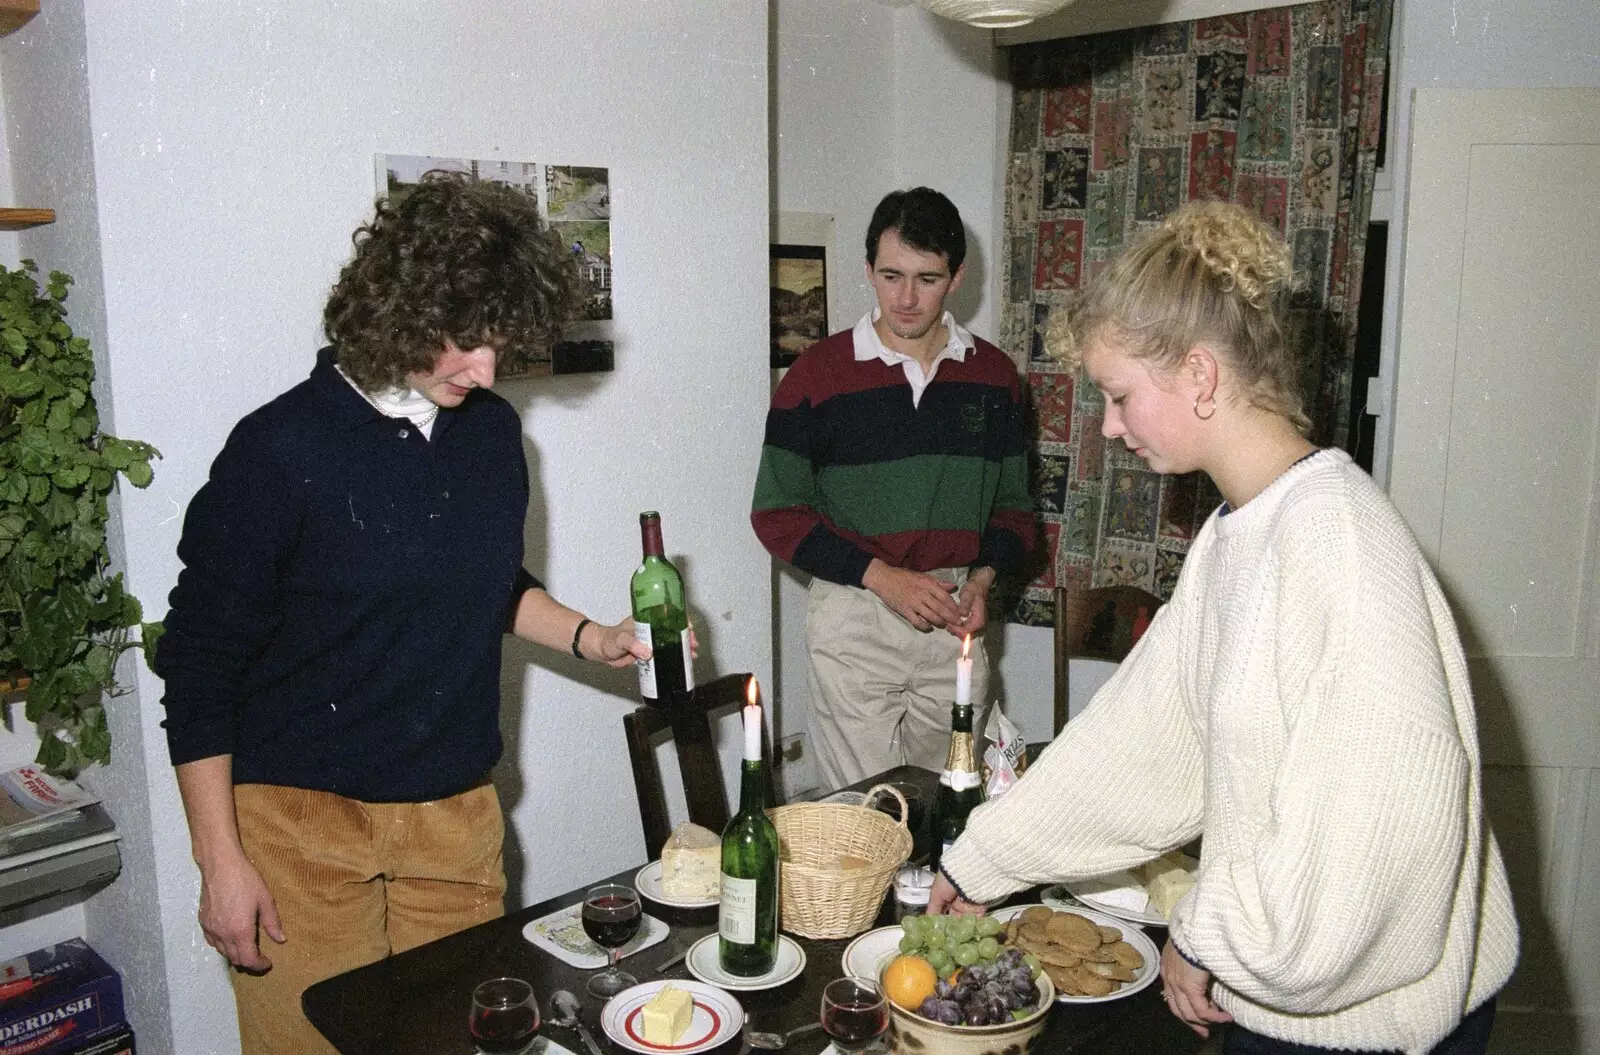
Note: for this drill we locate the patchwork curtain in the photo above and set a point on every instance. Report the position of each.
(1278, 110)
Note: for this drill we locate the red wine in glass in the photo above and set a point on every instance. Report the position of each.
(854, 1014)
(611, 917)
(504, 1018)
(611, 921)
(504, 1031)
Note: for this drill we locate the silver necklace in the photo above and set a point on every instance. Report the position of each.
(426, 419)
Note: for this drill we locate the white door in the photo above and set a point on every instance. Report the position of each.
(1494, 464)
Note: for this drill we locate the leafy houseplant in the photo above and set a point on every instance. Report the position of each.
(63, 619)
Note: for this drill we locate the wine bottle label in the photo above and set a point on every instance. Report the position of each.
(688, 658)
(736, 919)
(647, 667)
(959, 780)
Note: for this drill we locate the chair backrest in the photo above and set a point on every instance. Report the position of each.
(688, 720)
(1102, 623)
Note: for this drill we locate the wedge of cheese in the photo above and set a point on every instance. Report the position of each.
(691, 863)
(1167, 879)
(666, 1016)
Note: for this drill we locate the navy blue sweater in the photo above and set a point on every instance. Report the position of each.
(337, 623)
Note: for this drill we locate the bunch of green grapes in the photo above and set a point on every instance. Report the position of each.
(948, 942)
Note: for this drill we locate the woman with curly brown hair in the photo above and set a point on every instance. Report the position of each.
(1302, 701)
(332, 655)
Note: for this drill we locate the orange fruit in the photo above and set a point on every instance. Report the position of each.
(908, 981)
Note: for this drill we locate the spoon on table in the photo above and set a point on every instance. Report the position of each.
(567, 1012)
(774, 1041)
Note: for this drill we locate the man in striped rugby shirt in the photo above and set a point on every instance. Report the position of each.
(894, 472)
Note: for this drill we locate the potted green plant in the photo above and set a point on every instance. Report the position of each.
(64, 619)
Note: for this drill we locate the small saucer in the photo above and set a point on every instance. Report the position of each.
(703, 963)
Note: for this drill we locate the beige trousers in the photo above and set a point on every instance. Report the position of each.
(355, 882)
(881, 690)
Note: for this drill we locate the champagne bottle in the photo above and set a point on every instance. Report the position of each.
(747, 922)
(960, 786)
(660, 619)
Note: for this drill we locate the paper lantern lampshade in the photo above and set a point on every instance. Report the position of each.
(994, 14)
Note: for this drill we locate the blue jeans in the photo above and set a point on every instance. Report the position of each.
(1469, 1038)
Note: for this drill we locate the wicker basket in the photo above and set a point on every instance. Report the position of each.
(819, 899)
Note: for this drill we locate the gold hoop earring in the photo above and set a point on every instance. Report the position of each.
(1205, 417)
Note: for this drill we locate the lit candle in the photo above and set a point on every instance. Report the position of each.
(964, 674)
(752, 722)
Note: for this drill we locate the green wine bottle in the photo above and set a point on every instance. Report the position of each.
(960, 786)
(660, 619)
(747, 922)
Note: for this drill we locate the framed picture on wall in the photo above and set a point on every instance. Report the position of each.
(576, 201)
(799, 300)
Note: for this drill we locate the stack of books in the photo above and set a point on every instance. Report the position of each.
(54, 837)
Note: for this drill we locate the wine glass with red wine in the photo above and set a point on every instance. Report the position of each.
(854, 1014)
(505, 1016)
(611, 917)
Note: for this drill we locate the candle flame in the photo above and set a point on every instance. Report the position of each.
(752, 693)
(966, 646)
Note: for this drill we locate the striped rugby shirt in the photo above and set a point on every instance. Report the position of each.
(853, 467)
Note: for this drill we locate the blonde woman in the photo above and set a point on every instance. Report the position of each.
(1302, 702)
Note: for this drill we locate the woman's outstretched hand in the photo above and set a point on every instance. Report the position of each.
(944, 898)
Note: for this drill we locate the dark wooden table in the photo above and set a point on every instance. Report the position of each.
(416, 1003)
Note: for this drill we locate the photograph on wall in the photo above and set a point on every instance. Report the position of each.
(576, 200)
(575, 193)
(589, 241)
(799, 300)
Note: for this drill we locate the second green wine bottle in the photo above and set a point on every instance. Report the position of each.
(660, 619)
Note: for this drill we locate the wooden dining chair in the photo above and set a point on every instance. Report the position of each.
(1101, 623)
(687, 721)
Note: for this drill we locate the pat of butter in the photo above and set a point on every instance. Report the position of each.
(666, 1016)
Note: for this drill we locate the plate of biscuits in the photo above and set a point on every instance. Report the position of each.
(1091, 957)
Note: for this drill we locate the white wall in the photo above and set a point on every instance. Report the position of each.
(1470, 44)
(231, 156)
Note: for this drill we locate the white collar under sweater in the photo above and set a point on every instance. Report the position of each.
(1303, 701)
(399, 403)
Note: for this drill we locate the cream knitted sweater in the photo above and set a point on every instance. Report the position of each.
(1303, 701)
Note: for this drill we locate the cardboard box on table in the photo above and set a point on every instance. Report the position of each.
(64, 1000)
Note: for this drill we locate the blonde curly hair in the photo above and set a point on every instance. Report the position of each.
(1212, 274)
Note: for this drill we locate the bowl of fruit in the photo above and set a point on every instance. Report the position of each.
(953, 989)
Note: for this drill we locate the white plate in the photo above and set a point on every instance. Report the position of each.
(1063, 896)
(716, 1020)
(648, 882)
(561, 935)
(865, 958)
(703, 963)
(1143, 977)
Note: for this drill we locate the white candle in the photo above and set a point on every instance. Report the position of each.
(752, 723)
(964, 674)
